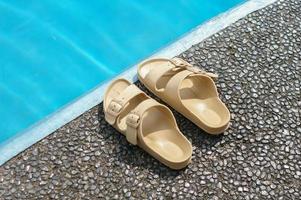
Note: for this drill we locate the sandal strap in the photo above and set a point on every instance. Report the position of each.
(117, 104)
(156, 73)
(174, 65)
(172, 87)
(184, 65)
(134, 119)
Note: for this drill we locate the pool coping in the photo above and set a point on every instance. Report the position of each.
(77, 107)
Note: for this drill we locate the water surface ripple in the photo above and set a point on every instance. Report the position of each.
(54, 51)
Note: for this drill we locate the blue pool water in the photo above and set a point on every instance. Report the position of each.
(53, 51)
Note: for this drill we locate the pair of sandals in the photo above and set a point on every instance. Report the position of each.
(150, 124)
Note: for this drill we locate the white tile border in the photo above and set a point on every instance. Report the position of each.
(94, 97)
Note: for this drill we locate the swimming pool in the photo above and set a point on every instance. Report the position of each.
(54, 51)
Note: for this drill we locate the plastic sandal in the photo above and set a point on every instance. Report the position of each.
(189, 90)
(146, 123)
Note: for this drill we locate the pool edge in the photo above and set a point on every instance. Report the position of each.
(59, 118)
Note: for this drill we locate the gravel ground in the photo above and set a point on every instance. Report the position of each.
(259, 157)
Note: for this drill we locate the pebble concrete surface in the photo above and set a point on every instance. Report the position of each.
(258, 60)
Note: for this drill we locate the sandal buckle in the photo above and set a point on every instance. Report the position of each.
(180, 62)
(133, 120)
(114, 108)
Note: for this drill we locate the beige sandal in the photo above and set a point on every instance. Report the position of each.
(146, 123)
(189, 90)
